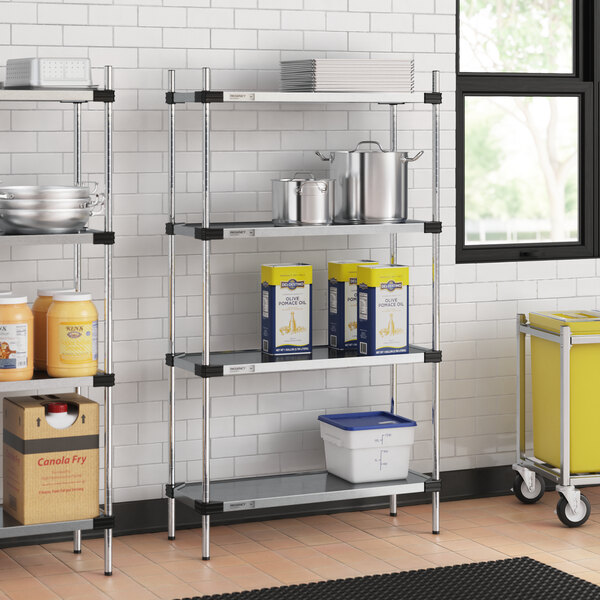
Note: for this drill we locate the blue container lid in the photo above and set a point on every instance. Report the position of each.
(366, 420)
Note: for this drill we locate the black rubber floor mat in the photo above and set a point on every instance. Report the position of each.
(510, 579)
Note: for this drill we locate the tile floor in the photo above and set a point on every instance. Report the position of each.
(307, 549)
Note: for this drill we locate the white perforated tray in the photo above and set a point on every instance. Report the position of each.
(48, 72)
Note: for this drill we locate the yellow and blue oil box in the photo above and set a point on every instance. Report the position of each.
(286, 298)
(342, 306)
(382, 309)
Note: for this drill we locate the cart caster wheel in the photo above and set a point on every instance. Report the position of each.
(568, 517)
(522, 491)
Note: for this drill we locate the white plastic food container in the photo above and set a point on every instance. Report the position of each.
(48, 72)
(367, 446)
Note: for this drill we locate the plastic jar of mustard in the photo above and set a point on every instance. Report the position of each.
(16, 339)
(40, 310)
(72, 336)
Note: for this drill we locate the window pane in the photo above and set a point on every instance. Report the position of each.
(516, 36)
(521, 170)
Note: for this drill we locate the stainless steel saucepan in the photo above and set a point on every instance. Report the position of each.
(302, 200)
(371, 186)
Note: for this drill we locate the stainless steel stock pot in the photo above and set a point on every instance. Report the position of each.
(371, 186)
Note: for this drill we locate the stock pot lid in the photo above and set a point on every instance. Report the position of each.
(302, 180)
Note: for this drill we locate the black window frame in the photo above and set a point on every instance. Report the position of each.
(582, 83)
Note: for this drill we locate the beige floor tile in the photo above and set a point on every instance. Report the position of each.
(446, 559)
(301, 550)
(225, 586)
(119, 586)
(27, 589)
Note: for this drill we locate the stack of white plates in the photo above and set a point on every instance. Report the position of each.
(347, 75)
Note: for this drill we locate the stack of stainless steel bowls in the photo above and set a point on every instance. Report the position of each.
(31, 209)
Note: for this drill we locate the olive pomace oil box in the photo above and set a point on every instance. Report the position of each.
(382, 309)
(342, 303)
(286, 308)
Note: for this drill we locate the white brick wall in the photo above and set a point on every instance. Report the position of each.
(262, 423)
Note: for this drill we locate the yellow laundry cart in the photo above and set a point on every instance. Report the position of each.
(565, 386)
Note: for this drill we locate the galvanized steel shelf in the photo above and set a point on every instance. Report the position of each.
(9, 528)
(209, 96)
(87, 236)
(285, 490)
(43, 383)
(266, 229)
(244, 362)
(292, 490)
(67, 95)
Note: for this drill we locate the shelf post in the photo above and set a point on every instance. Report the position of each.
(435, 304)
(206, 319)
(521, 450)
(108, 320)
(77, 182)
(393, 261)
(77, 247)
(171, 501)
(565, 405)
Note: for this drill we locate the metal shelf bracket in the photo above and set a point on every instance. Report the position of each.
(208, 508)
(104, 96)
(104, 522)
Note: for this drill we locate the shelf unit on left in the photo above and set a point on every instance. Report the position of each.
(41, 382)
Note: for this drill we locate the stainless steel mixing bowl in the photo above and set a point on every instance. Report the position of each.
(60, 220)
(48, 192)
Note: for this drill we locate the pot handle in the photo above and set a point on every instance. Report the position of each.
(7, 196)
(323, 157)
(93, 185)
(303, 173)
(415, 157)
(322, 187)
(96, 205)
(368, 142)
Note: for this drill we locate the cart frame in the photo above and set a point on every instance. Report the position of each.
(528, 466)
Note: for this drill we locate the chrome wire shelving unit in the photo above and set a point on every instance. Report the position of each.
(42, 382)
(208, 497)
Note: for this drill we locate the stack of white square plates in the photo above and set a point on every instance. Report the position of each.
(347, 75)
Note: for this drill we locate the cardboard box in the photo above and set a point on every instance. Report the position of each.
(50, 474)
(343, 318)
(286, 322)
(382, 309)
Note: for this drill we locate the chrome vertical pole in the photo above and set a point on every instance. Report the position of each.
(77, 181)
(435, 304)
(206, 321)
(108, 320)
(521, 320)
(171, 501)
(77, 247)
(393, 260)
(565, 405)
